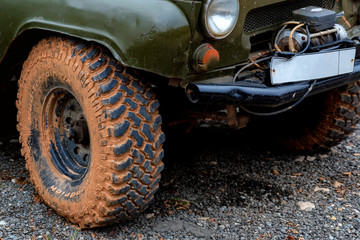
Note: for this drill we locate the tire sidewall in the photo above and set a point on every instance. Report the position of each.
(56, 189)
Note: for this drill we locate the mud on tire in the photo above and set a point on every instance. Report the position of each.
(323, 121)
(90, 131)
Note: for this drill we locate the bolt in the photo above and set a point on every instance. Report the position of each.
(70, 133)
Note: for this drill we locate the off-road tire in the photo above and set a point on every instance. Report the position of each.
(323, 121)
(124, 126)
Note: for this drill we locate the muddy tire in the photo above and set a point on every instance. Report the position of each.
(323, 121)
(90, 131)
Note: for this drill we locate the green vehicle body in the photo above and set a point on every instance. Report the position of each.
(158, 36)
(90, 123)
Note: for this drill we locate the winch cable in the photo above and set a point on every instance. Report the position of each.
(277, 38)
(291, 41)
(282, 110)
(249, 65)
(291, 54)
(277, 53)
(308, 40)
(288, 54)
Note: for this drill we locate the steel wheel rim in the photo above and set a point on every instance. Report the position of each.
(66, 132)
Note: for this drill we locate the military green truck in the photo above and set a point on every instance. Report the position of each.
(94, 76)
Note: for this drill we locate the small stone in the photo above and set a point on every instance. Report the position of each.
(321, 189)
(347, 174)
(357, 226)
(113, 234)
(13, 180)
(3, 223)
(196, 230)
(333, 218)
(213, 163)
(300, 159)
(337, 184)
(168, 226)
(334, 150)
(310, 159)
(306, 206)
(150, 215)
(1, 143)
(323, 156)
(222, 209)
(14, 141)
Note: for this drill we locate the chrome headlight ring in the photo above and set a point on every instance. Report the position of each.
(219, 17)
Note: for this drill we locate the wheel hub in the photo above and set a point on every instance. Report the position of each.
(68, 134)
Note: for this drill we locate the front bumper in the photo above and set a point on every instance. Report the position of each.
(256, 94)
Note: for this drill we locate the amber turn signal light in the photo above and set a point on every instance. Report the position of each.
(206, 57)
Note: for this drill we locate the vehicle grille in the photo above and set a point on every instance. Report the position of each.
(279, 13)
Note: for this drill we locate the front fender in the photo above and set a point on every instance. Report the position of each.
(153, 35)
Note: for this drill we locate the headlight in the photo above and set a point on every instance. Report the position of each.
(219, 17)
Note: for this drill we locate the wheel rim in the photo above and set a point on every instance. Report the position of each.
(66, 132)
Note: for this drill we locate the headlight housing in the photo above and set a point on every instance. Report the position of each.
(219, 17)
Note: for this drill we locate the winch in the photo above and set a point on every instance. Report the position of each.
(314, 23)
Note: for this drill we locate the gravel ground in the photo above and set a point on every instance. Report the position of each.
(217, 184)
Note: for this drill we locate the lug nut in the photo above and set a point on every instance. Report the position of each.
(70, 132)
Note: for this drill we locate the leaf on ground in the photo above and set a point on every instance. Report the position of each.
(6, 176)
(168, 183)
(275, 172)
(337, 184)
(37, 198)
(21, 181)
(179, 204)
(340, 191)
(297, 174)
(183, 204)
